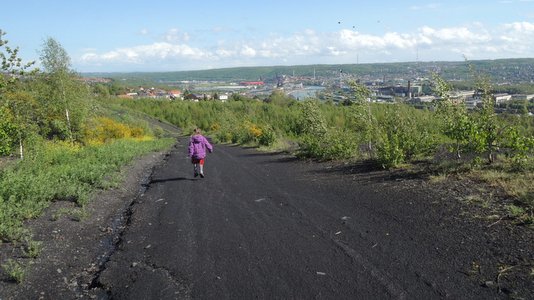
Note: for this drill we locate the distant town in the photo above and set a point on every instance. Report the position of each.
(411, 83)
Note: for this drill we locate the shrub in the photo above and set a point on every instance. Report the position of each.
(520, 148)
(58, 129)
(404, 134)
(102, 130)
(267, 137)
(311, 119)
(334, 145)
(222, 136)
(389, 150)
(254, 131)
(7, 132)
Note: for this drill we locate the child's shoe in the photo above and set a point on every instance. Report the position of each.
(202, 175)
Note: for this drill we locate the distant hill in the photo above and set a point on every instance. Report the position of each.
(502, 70)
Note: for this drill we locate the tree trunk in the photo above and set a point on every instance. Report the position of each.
(66, 110)
(68, 124)
(21, 150)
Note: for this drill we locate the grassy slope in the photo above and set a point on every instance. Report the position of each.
(61, 171)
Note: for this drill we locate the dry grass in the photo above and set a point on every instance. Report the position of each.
(518, 185)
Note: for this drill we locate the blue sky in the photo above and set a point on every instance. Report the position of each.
(139, 35)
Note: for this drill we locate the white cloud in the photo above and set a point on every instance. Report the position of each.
(248, 51)
(517, 39)
(147, 54)
(90, 57)
(401, 41)
(174, 35)
(223, 53)
(454, 35)
(355, 40)
(176, 50)
(520, 27)
(518, 33)
(334, 51)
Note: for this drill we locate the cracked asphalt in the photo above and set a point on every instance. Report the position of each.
(268, 226)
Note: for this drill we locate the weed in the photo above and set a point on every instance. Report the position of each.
(439, 178)
(79, 214)
(12, 230)
(523, 216)
(59, 213)
(75, 214)
(475, 268)
(502, 272)
(15, 270)
(515, 211)
(32, 248)
(473, 199)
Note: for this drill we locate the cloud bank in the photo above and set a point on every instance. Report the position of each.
(177, 51)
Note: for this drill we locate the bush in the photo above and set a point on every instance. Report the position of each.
(102, 130)
(520, 148)
(58, 129)
(267, 137)
(221, 136)
(389, 151)
(311, 119)
(402, 137)
(7, 132)
(334, 145)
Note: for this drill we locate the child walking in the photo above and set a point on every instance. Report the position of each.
(197, 151)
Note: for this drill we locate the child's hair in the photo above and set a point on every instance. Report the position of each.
(197, 130)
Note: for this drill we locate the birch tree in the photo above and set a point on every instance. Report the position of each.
(64, 94)
(364, 123)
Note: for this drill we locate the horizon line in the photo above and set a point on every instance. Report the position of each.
(308, 65)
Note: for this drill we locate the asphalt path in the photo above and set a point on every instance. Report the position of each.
(266, 226)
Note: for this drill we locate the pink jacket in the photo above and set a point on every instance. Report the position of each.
(198, 145)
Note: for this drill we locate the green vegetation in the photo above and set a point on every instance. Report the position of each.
(32, 248)
(62, 172)
(63, 95)
(15, 270)
(62, 140)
